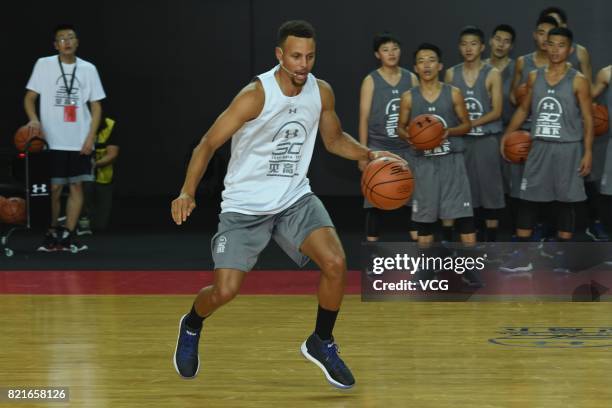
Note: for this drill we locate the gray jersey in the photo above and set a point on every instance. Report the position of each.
(528, 66)
(573, 58)
(556, 114)
(444, 109)
(477, 99)
(384, 111)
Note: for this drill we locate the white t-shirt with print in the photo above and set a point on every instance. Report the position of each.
(47, 81)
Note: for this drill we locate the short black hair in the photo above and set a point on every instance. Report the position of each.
(547, 20)
(430, 47)
(562, 31)
(296, 28)
(506, 28)
(472, 30)
(557, 10)
(62, 27)
(383, 38)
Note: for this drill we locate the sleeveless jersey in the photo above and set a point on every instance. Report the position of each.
(270, 154)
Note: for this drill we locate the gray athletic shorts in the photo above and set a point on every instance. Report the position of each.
(442, 189)
(405, 154)
(606, 178)
(600, 148)
(240, 238)
(482, 161)
(551, 173)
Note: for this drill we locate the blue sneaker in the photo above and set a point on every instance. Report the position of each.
(324, 353)
(186, 359)
(597, 232)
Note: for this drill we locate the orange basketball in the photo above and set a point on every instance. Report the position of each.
(600, 119)
(24, 134)
(426, 132)
(520, 93)
(517, 145)
(387, 183)
(13, 211)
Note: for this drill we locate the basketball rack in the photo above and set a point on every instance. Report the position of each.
(4, 239)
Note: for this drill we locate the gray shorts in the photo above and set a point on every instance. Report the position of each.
(600, 148)
(405, 154)
(606, 178)
(551, 173)
(482, 161)
(442, 189)
(240, 238)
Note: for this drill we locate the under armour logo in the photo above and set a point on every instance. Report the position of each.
(394, 91)
(39, 189)
(469, 92)
(551, 91)
(431, 109)
(466, 204)
(471, 106)
(548, 106)
(294, 110)
(293, 133)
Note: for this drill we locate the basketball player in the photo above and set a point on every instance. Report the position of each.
(524, 65)
(579, 58)
(561, 152)
(379, 112)
(273, 123)
(597, 231)
(501, 43)
(443, 189)
(481, 86)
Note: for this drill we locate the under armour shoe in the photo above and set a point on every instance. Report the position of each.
(324, 353)
(68, 243)
(186, 359)
(50, 243)
(597, 232)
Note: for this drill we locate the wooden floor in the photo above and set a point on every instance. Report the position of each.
(116, 351)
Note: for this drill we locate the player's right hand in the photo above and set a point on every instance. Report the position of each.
(181, 208)
(362, 164)
(34, 124)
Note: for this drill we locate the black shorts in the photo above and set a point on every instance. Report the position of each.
(69, 167)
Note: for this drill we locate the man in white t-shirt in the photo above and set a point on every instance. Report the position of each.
(66, 85)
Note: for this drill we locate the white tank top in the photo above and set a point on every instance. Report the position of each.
(271, 154)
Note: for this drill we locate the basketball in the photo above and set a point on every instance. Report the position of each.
(13, 210)
(426, 132)
(517, 145)
(387, 183)
(600, 119)
(520, 93)
(24, 134)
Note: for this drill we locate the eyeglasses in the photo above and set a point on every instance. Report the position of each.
(65, 39)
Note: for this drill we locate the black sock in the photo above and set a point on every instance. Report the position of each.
(447, 233)
(194, 320)
(491, 234)
(326, 319)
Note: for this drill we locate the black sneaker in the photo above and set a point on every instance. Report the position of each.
(597, 232)
(186, 359)
(324, 353)
(67, 243)
(50, 243)
(518, 262)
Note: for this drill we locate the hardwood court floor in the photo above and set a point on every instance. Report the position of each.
(115, 351)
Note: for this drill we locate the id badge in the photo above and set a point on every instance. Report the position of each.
(70, 113)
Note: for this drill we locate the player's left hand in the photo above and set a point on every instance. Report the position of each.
(586, 164)
(87, 147)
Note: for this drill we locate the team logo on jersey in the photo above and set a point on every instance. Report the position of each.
(286, 156)
(392, 114)
(554, 337)
(61, 93)
(548, 123)
(475, 110)
(444, 148)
